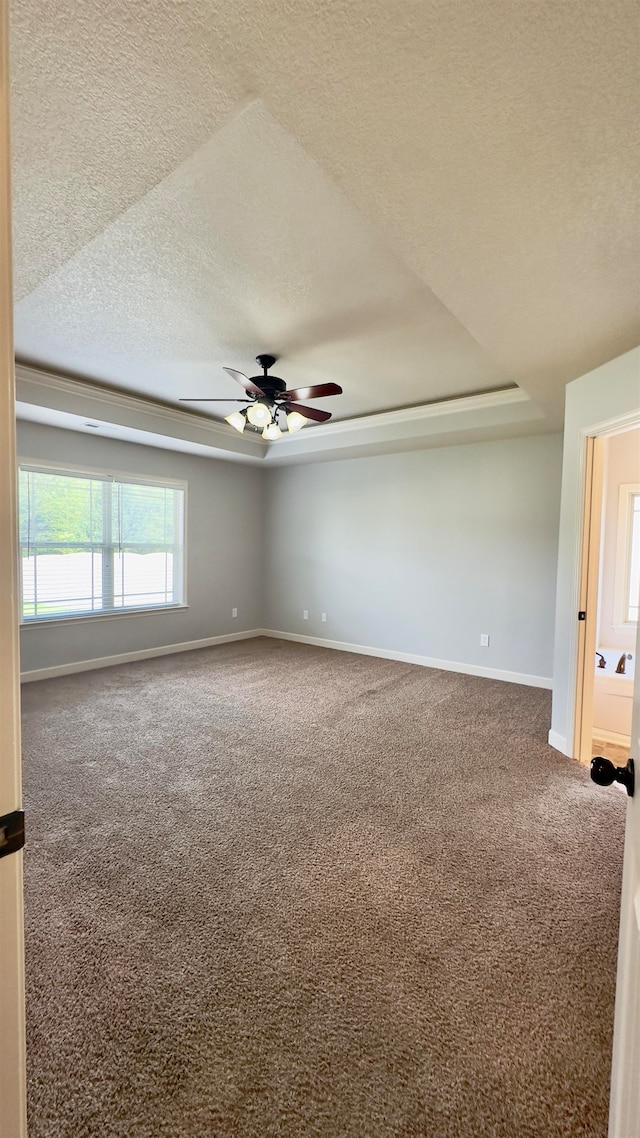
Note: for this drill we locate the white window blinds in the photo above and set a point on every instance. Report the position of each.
(93, 543)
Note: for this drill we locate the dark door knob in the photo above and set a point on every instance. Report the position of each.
(604, 772)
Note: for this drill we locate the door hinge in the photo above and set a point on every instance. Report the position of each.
(11, 832)
(582, 615)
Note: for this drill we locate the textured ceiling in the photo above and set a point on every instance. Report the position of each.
(248, 244)
(418, 200)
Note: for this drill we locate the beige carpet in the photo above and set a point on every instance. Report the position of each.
(279, 892)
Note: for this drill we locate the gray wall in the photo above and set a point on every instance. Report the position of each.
(421, 552)
(417, 552)
(224, 550)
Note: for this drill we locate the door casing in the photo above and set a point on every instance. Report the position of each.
(12, 1019)
(588, 562)
(624, 1115)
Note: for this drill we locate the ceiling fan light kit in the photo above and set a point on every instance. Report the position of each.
(267, 398)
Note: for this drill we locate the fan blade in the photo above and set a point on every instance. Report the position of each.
(244, 381)
(317, 392)
(310, 412)
(195, 400)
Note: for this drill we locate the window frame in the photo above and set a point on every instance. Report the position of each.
(112, 476)
(627, 491)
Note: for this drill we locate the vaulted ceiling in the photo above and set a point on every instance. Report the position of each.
(418, 199)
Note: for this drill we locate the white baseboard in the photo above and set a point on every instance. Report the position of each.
(410, 658)
(339, 645)
(558, 742)
(129, 657)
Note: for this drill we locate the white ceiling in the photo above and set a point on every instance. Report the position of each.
(418, 200)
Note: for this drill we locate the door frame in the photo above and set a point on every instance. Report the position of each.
(624, 1113)
(624, 1096)
(12, 1018)
(588, 568)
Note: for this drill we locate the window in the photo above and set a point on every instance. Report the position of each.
(628, 555)
(632, 592)
(98, 543)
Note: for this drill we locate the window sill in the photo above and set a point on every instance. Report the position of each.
(91, 616)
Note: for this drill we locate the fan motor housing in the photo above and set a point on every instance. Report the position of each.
(270, 384)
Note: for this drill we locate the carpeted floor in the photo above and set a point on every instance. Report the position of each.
(278, 892)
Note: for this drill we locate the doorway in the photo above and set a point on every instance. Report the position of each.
(609, 596)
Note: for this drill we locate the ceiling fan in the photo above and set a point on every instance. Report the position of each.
(268, 398)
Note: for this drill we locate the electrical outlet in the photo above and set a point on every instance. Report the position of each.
(323, 618)
(234, 612)
(305, 614)
(484, 639)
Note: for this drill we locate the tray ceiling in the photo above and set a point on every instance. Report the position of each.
(419, 201)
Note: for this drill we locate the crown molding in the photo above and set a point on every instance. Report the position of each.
(504, 397)
(68, 402)
(112, 397)
(506, 413)
(84, 400)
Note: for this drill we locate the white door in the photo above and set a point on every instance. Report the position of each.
(12, 1049)
(625, 1074)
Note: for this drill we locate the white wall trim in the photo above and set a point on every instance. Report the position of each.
(319, 642)
(130, 657)
(68, 403)
(411, 658)
(503, 397)
(558, 742)
(129, 401)
(124, 400)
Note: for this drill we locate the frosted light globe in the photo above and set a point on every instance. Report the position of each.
(259, 415)
(295, 421)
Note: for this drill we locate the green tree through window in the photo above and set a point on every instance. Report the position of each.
(98, 544)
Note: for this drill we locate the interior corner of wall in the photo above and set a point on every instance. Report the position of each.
(558, 742)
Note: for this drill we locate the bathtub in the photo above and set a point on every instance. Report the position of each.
(613, 697)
